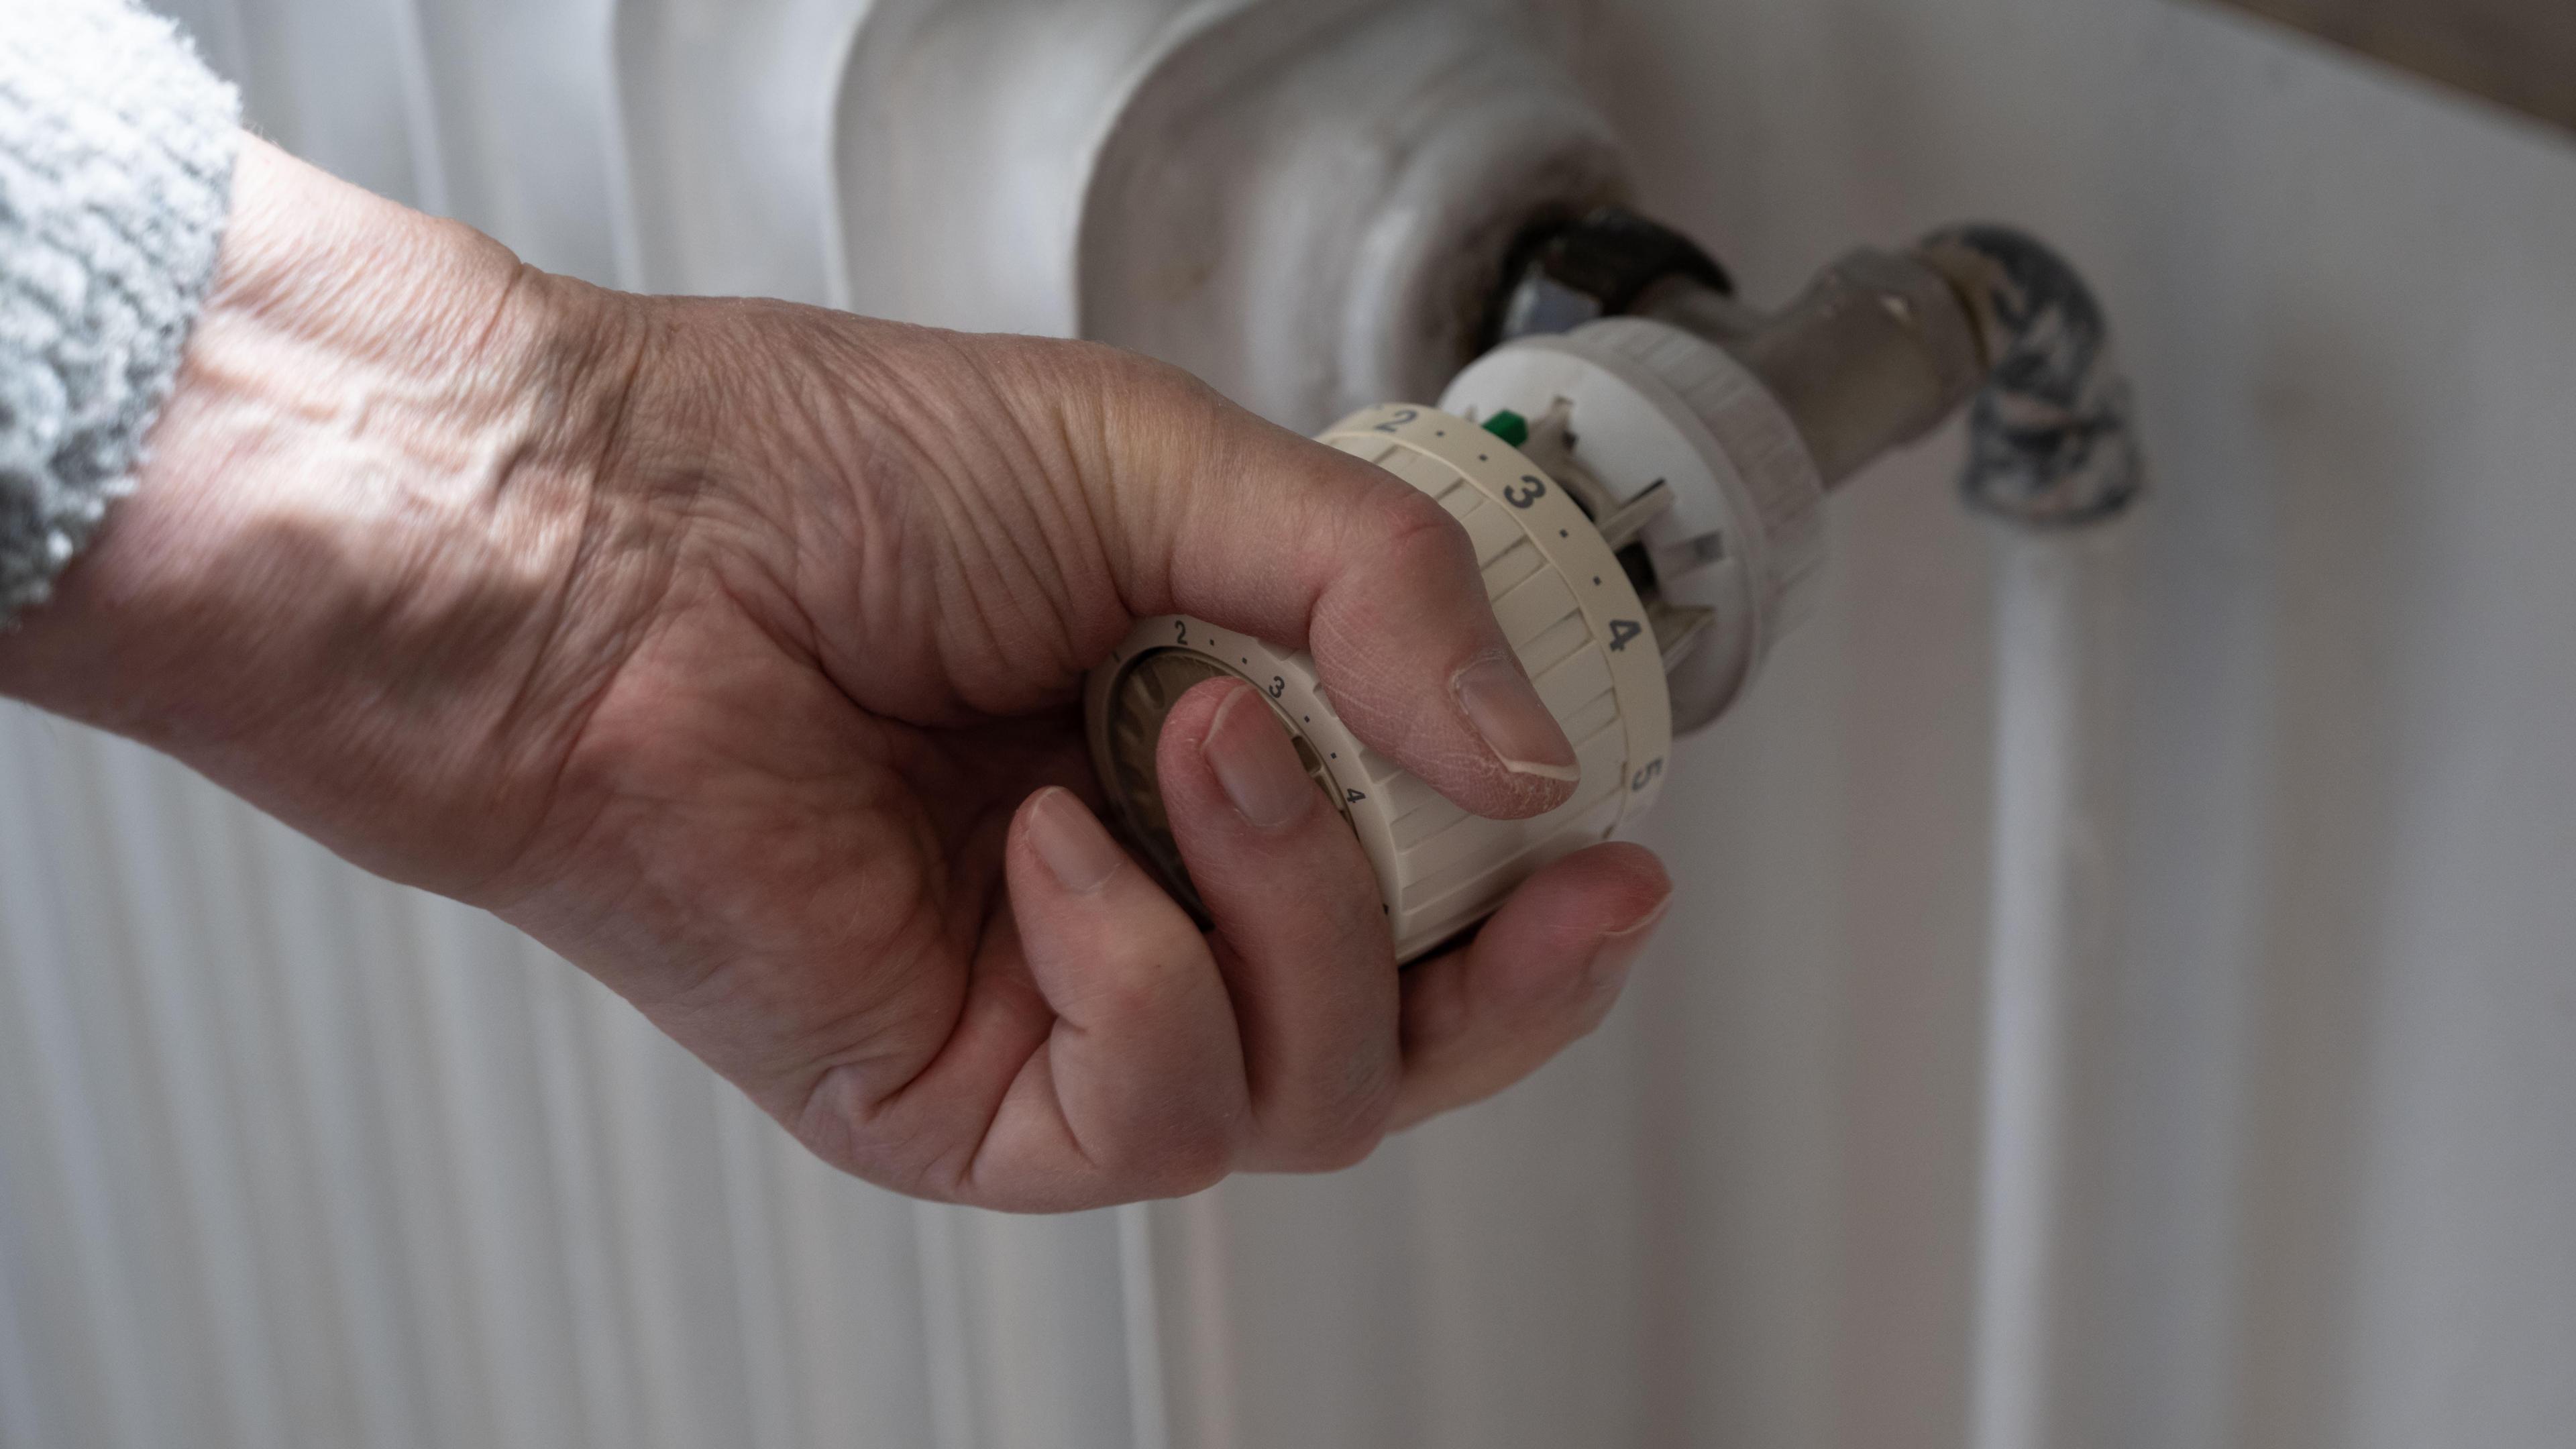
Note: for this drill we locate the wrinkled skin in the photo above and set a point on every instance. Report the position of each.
(731, 649)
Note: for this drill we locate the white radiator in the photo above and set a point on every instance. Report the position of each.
(289, 1156)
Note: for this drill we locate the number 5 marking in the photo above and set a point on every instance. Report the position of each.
(1646, 776)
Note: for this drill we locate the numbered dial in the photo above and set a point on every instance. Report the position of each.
(1566, 604)
(1141, 698)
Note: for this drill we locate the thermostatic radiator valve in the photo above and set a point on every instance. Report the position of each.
(1645, 505)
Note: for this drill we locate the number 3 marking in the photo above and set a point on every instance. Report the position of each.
(1524, 497)
(1278, 686)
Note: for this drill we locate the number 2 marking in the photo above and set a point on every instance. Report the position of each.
(1180, 631)
(1402, 417)
(1524, 497)
(1621, 631)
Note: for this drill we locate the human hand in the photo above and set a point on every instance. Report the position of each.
(729, 648)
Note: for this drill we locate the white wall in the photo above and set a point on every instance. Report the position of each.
(291, 1158)
(2335, 1199)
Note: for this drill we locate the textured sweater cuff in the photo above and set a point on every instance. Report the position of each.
(116, 156)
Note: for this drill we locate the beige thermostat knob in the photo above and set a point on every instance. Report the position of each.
(1571, 610)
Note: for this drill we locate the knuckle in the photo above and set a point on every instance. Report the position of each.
(1197, 1161)
(1171, 1158)
(1410, 527)
(841, 1125)
(1347, 1148)
(1407, 536)
(1343, 1138)
(1147, 398)
(1154, 979)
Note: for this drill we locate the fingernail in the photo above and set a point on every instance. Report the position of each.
(1618, 950)
(1078, 853)
(1505, 708)
(1253, 760)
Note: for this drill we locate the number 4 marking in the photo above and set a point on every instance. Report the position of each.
(1621, 631)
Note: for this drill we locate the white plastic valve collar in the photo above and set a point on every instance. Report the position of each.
(1650, 403)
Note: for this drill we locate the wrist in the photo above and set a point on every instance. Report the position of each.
(340, 583)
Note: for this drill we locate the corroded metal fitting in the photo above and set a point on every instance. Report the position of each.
(2052, 442)
(1596, 266)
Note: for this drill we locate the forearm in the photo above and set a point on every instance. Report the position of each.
(355, 521)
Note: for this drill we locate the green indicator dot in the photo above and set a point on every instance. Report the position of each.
(1509, 426)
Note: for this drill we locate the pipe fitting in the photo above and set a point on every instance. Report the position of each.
(1567, 273)
(1881, 348)
(1875, 353)
(2052, 439)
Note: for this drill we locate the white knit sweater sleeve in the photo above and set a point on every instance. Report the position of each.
(116, 155)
